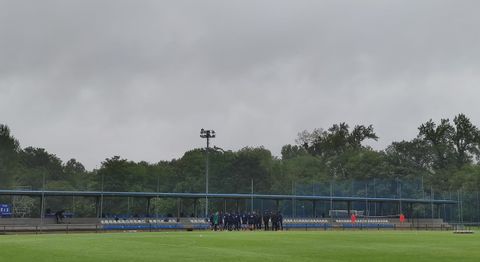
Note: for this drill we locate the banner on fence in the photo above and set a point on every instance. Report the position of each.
(5, 210)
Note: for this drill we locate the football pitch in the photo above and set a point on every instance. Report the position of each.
(243, 246)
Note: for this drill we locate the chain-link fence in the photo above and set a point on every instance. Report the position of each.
(465, 209)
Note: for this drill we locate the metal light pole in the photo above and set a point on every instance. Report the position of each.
(251, 204)
(207, 134)
(101, 200)
(42, 212)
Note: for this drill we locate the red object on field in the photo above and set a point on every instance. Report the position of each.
(354, 218)
(402, 218)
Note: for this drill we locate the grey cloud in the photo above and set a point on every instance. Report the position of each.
(93, 79)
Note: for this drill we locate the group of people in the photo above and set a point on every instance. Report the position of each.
(246, 221)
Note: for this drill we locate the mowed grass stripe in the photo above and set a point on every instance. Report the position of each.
(243, 246)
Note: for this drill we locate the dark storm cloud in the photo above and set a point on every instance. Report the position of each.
(92, 79)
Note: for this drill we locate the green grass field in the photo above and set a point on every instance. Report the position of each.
(243, 246)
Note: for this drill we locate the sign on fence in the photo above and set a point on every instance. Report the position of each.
(5, 210)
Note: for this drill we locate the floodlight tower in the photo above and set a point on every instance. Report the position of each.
(207, 134)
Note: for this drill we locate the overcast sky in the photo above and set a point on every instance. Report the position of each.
(93, 79)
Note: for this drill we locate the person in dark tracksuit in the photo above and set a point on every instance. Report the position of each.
(258, 221)
(266, 219)
(280, 220)
(238, 221)
(212, 225)
(274, 221)
(244, 221)
(231, 221)
(251, 221)
(225, 221)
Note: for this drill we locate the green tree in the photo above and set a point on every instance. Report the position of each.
(37, 163)
(450, 147)
(116, 174)
(9, 156)
(439, 138)
(465, 139)
(409, 159)
(190, 172)
(251, 164)
(336, 140)
(292, 151)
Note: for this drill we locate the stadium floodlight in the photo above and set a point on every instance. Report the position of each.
(206, 134)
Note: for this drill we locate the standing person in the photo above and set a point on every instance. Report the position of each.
(231, 221)
(280, 220)
(234, 221)
(212, 224)
(274, 221)
(216, 218)
(220, 220)
(225, 221)
(266, 219)
(258, 221)
(244, 221)
(57, 217)
(238, 221)
(251, 221)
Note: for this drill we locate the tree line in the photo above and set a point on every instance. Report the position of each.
(444, 154)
